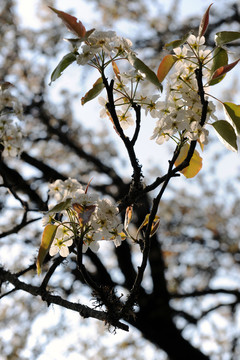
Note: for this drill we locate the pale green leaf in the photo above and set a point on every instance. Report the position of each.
(225, 37)
(145, 70)
(226, 134)
(233, 113)
(176, 43)
(63, 205)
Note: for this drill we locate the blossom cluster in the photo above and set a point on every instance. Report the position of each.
(126, 90)
(181, 112)
(102, 48)
(179, 115)
(10, 131)
(101, 44)
(84, 217)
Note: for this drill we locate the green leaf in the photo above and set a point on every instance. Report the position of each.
(233, 113)
(176, 43)
(220, 58)
(64, 63)
(224, 37)
(63, 205)
(48, 236)
(226, 134)
(95, 91)
(165, 66)
(145, 70)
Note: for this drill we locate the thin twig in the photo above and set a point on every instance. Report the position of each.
(50, 272)
(137, 109)
(137, 172)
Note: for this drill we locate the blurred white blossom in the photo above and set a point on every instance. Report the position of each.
(86, 217)
(10, 130)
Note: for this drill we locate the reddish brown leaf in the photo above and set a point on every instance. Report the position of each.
(204, 22)
(88, 185)
(84, 212)
(224, 69)
(71, 22)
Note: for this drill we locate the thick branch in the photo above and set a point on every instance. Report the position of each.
(83, 310)
(206, 292)
(16, 182)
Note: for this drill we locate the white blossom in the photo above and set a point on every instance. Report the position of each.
(61, 242)
(125, 119)
(181, 113)
(103, 41)
(93, 245)
(87, 217)
(86, 54)
(104, 112)
(61, 190)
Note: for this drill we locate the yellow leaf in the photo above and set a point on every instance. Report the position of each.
(154, 227)
(195, 164)
(47, 239)
(123, 235)
(165, 66)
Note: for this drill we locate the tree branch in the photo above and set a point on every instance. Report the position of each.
(83, 310)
